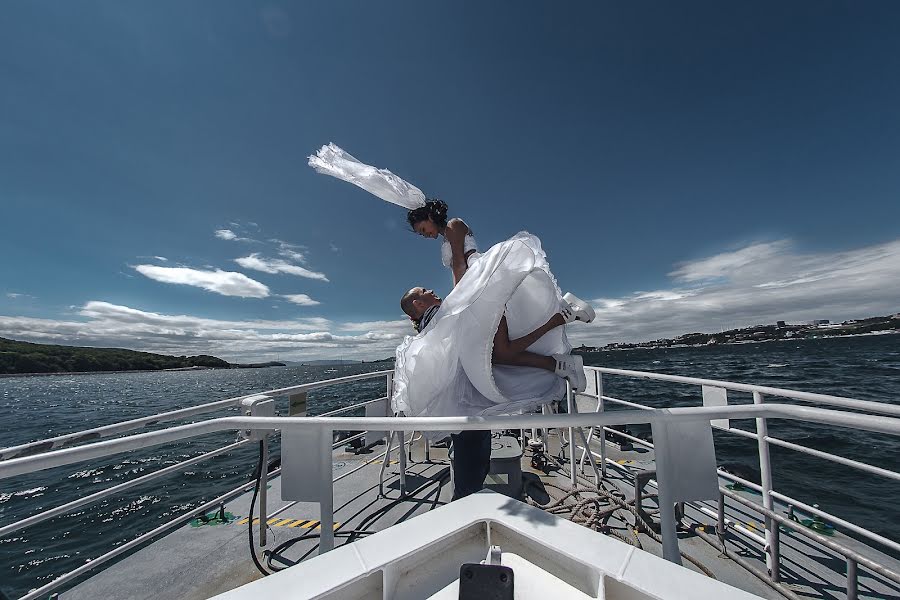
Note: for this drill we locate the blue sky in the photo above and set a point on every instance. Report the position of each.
(688, 166)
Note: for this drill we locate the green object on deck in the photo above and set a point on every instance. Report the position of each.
(218, 517)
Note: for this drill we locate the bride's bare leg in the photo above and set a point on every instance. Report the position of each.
(513, 352)
(520, 344)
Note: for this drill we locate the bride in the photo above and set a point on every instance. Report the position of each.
(447, 368)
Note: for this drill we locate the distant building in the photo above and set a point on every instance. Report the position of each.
(817, 322)
(780, 324)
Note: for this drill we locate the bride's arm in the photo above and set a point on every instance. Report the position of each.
(456, 236)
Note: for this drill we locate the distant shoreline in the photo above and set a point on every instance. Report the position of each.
(743, 342)
(177, 369)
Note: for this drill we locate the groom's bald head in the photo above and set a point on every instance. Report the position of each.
(417, 300)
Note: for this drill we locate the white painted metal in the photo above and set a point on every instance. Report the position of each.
(116, 489)
(184, 413)
(19, 466)
(601, 408)
(716, 396)
(765, 475)
(59, 455)
(876, 407)
(664, 473)
(419, 558)
(571, 409)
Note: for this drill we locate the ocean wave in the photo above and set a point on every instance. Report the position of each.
(30, 493)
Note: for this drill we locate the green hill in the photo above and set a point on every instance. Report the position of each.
(24, 357)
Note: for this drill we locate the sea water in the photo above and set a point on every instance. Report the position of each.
(33, 408)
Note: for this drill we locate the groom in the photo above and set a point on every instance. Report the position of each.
(472, 449)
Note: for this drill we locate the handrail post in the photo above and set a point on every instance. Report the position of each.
(263, 493)
(326, 502)
(852, 580)
(570, 408)
(601, 408)
(720, 521)
(402, 457)
(765, 471)
(389, 388)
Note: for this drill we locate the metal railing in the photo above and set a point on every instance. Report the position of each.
(73, 440)
(61, 451)
(771, 542)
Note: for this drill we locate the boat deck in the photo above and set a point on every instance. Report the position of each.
(199, 561)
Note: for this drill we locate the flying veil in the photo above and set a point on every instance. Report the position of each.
(333, 160)
(446, 370)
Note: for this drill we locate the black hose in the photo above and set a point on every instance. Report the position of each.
(350, 533)
(258, 477)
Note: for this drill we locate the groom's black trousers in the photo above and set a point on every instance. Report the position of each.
(471, 461)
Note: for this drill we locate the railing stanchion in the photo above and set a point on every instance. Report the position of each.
(721, 524)
(570, 408)
(326, 503)
(852, 580)
(600, 409)
(402, 451)
(263, 493)
(720, 521)
(765, 471)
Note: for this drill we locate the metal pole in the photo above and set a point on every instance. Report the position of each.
(326, 504)
(720, 523)
(852, 580)
(570, 407)
(600, 409)
(765, 471)
(263, 492)
(402, 452)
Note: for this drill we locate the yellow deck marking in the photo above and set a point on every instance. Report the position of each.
(279, 522)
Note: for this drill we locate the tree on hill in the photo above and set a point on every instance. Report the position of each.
(25, 357)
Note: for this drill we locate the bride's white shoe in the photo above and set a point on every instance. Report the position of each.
(571, 367)
(576, 309)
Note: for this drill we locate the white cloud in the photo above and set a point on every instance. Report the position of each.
(301, 299)
(275, 265)
(290, 251)
(292, 255)
(400, 326)
(109, 325)
(761, 283)
(227, 283)
(744, 262)
(230, 236)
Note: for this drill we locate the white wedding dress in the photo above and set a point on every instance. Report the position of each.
(446, 369)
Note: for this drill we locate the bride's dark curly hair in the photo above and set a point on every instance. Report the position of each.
(434, 209)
